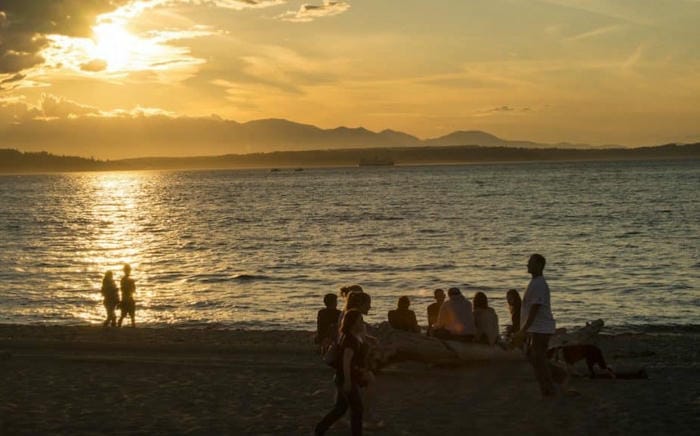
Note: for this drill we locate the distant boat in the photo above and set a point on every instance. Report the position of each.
(376, 162)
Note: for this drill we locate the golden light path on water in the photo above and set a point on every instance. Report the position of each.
(117, 206)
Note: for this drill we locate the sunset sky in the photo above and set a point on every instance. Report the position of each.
(585, 71)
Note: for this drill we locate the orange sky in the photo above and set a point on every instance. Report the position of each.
(582, 71)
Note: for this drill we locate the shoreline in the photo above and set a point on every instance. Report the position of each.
(613, 329)
(87, 380)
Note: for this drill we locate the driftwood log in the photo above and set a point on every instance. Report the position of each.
(397, 345)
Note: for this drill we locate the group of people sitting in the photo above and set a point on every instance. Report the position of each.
(346, 330)
(455, 318)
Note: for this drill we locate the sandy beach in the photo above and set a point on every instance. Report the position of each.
(88, 380)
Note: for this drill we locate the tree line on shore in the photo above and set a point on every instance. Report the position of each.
(14, 161)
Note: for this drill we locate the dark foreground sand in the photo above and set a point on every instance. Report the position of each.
(86, 380)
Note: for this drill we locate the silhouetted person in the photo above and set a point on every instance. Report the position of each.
(402, 318)
(514, 303)
(538, 326)
(327, 322)
(485, 320)
(128, 304)
(349, 375)
(110, 294)
(362, 302)
(455, 320)
(434, 309)
(345, 293)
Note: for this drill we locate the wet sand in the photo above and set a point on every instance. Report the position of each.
(87, 380)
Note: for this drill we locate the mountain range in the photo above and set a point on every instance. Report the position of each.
(161, 136)
(283, 135)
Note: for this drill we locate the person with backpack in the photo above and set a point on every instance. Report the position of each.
(350, 375)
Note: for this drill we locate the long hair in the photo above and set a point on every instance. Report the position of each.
(347, 290)
(480, 301)
(517, 301)
(349, 321)
(354, 300)
(108, 279)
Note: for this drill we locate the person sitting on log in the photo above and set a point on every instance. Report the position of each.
(402, 318)
(327, 322)
(455, 320)
(485, 320)
(434, 309)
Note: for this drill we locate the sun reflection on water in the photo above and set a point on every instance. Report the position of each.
(116, 212)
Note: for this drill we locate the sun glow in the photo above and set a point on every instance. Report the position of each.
(115, 49)
(114, 45)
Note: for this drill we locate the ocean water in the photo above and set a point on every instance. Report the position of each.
(259, 249)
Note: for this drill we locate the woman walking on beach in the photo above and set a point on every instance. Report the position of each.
(349, 375)
(128, 304)
(110, 293)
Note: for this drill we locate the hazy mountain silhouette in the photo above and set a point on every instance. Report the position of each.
(167, 136)
(280, 134)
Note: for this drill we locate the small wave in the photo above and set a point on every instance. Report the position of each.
(384, 250)
(250, 277)
(204, 303)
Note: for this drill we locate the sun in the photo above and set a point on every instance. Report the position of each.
(114, 45)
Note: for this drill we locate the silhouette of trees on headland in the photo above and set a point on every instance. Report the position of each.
(16, 161)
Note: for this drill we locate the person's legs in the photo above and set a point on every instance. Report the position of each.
(538, 357)
(355, 403)
(122, 315)
(132, 314)
(107, 307)
(339, 409)
(111, 316)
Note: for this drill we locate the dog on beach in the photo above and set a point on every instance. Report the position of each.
(571, 354)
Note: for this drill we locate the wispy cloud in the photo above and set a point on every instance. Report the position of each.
(595, 33)
(309, 12)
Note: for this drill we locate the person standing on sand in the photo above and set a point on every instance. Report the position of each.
(128, 304)
(349, 376)
(434, 309)
(110, 294)
(537, 325)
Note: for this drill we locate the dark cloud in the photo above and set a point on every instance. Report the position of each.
(14, 78)
(94, 65)
(24, 25)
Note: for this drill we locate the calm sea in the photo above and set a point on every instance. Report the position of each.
(259, 249)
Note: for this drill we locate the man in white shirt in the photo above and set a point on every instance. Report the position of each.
(537, 324)
(455, 319)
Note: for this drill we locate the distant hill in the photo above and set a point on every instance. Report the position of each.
(167, 136)
(13, 161)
